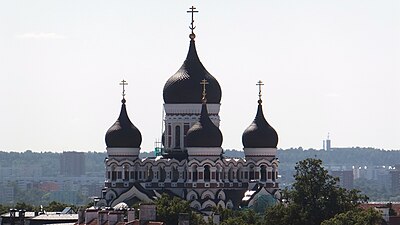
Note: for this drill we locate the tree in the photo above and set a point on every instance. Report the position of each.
(233, 217)
(4, 209)
(356, 217)
(169, 208)
(58, 207)
(26, 207)
(314, 197)
(234, 221)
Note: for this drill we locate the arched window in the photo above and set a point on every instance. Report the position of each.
(169, 140)
(149, 173)
(113, 173)
(263, 173)
(230, 175)
(217, 174)
(207, 173)
(177, 137)
(195, 174)
(175, 174)
(252, 173)
(162, 174)
(126, 172)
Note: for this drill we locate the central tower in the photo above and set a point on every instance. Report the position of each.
(182, 100)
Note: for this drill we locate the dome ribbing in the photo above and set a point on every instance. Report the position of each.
(260, 134)
(123, 134)
(183, 87)
(204, 133)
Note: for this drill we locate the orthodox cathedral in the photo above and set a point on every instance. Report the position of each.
(192, 165)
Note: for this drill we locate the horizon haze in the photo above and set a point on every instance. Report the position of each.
(328, 67)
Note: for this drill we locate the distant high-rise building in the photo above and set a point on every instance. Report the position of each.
(327, 144)
(72, 164)
(346, 178)
(395, 179)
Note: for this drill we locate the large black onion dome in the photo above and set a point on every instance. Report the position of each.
(183, 86)
(123, 134)
(204, 133)
(260, 134)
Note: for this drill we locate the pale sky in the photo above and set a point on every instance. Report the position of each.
(328, 66)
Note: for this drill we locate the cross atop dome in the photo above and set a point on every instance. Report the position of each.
(123, 83)
(204, 83)
(192, 27)
(259, 84)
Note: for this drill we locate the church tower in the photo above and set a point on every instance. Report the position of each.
(192, 165)
(182, 100)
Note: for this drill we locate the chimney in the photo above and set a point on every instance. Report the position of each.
(12, 216)
(102, 217)
(131, 215)
(183, 219)
(81, 216)
(21, 217)
(91, 214)
(147, 213)
(114, 217)
(216, 218)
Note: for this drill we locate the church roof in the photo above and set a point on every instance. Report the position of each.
(260, 134)
(204, 133)
(183, 87)
(123, 134)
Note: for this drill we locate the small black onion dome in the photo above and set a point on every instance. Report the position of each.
(260, 134)
(123, 134)
(183, 86)
(204, 133)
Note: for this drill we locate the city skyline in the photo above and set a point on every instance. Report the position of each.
(327, 67)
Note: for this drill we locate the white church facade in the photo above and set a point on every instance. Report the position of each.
(192, 165)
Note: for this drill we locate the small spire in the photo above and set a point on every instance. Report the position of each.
(192, 27)
(259, 84)
(123, 83)
(204, 83)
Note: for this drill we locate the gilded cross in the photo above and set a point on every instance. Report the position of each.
(204, 83)
(192, 11)
(123, 83)
(259, 84)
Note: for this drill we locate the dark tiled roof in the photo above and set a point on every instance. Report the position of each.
(204, 133)
(184, 86)
(123, 134)
(235, 196)
(260, 134)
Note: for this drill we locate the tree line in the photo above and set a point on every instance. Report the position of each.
(314, 199)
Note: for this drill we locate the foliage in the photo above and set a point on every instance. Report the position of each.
(169, 208)
(315, 197)
(58, 207)
(234, 221)
(375, 190)
(233, 217)
(4, 209)
(51, 207)
(26, 207)
(356, 217)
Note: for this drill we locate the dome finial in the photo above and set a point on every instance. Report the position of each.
(204, 83)
(123, 83)
(259, 84)
(192, 27)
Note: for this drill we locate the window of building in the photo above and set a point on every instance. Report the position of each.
(263, 173)
(177, 137)
(119, 174)
(114, 175)
(207, 173)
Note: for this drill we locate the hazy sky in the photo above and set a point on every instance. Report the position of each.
(328, 66)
